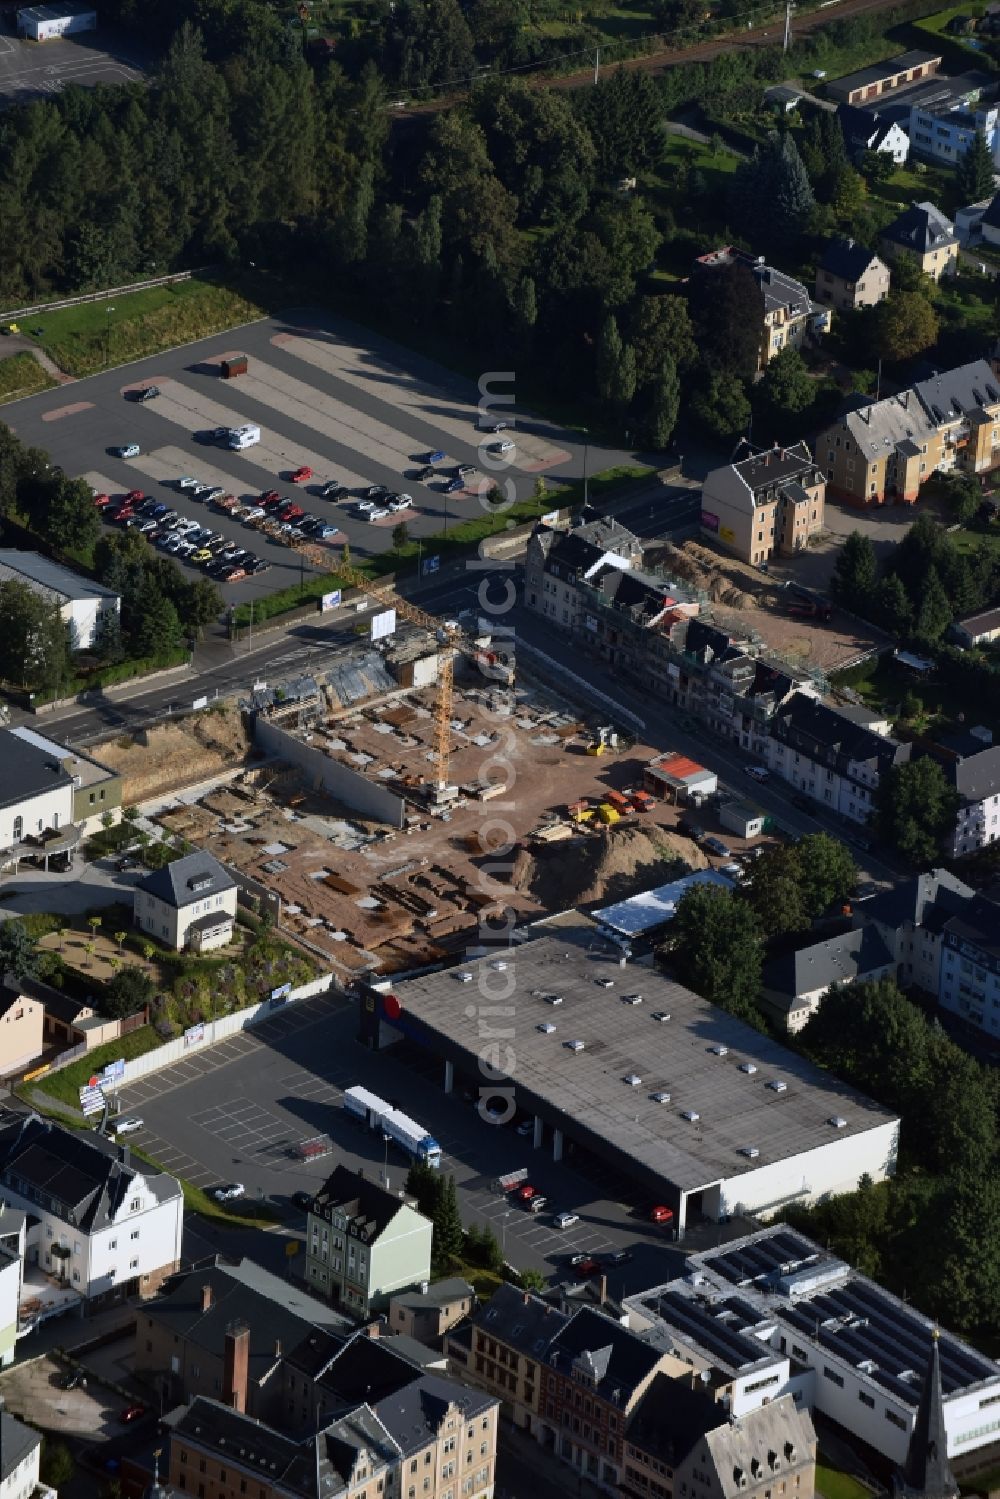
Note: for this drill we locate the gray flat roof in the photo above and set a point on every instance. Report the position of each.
(35, 568)
(588, 1087)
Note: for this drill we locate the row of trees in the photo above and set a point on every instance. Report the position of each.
(716, 943)
(934, 1231)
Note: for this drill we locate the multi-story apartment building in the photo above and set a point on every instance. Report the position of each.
(882, 451)
(20, 1461)
(850, 276)
(830, 757)
(969, 984)
(910, 918)
(101, 1224)
(926, 236)
(429, 1312)
(420, 1437)
(364, 1242)
(976, 778)
(770, 502)
(789, 312)
(681, 1441)
(942, 129)
(210, 1321)
(501, 1350)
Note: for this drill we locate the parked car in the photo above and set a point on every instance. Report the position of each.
(537, 1204)
(127, 450)
(586, 1268)
(75, 1378)
(229, 1192)
(620, 1257)
(149, 394)
(235, 573)
(129, 1125)
(255, 513)
(375, 491)
(378, 514)
(494, 426)
(363, 506)
(436, 457)
(218, 433)
(401, 502)
(758, 772)
(331, 490)
(302, 475)
(454, 485)
(660, 1214)
(132, 1413)
(716, 846)
(465, 469)
(102, 500)
(201, 555)
(260, 566)
(504, 446)
(526, 1191)
(324, 529)
(566, 1220)
(425, 473)
(188, 483)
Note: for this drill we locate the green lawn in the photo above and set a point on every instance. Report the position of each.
(22, 375)
(833, 1484)
(86, 338)
(65, 1084)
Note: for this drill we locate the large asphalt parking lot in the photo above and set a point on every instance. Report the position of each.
(235, 1111)
(329, 395)
(29, 70)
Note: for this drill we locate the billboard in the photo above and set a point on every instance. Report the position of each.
(383, 624)
(91, 1099)
(113, 1073)
(194, 1034)
(277, 995)
(550, 518)
(430, 565)
(330, 601)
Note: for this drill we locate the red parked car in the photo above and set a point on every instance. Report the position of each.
(135, 496)
(269, 497)
(301, 475)
(661, 1215)
(132, 1413)
(586, 1268)
(291, 512)
(102, 500)
(527, 1192)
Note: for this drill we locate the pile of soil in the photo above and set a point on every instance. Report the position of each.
(193, 749)
(606, 867)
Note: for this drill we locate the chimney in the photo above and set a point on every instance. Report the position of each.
(206, 1298)
(277, 1347)
(236, 1366)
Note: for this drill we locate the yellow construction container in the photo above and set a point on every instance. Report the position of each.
(595, 749)
(607, 813)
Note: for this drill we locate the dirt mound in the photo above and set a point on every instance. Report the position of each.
(193, 749)
(608, 866)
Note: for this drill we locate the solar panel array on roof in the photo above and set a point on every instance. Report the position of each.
(714, 1326)
(755, 1262)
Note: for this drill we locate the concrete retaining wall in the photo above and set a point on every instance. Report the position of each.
(348, 786)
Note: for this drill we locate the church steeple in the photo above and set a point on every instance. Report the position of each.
(926, 1473)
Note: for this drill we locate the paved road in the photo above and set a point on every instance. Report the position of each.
(352, 406)
(29, 70)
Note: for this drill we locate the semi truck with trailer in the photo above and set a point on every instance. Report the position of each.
(380, 1115)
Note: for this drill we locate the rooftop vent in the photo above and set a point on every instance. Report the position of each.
(749, 1068)
(632, 999)
(777, 1086)
(750, 1151)
(605, 983)
(838, 1121)
(546, 1027)
(633, 1079)
(660, 1097)
(577, 1045)
(690, 1115)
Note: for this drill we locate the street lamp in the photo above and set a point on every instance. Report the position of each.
(586, 450)
(107, 334)
(385, 1162)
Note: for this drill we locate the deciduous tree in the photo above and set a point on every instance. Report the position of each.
(915, 808)
(715, 946)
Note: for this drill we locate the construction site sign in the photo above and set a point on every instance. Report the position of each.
(91, 1098)
(383, 624)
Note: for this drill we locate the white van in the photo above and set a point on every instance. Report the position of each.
(243, 437)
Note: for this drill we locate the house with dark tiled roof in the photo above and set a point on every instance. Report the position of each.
(101, 1223)
(20, 1461)
(829, 758)
(184, 1340)
(795, 982)
(924, 234)
(686, 1434)
(789, 313)
(770, 502)
(364, 1242)
(190, 902)
(413, 1430)
(870, 130)
(850, 276)
(909, 917)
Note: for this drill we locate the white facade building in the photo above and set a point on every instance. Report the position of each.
(976, 778)
(946, 134)
(753, 1309)
(84, 605)
(43, 23)
(191, 902)
(830, 757)
(36, 792)
(101, 1225)
(20, 1459)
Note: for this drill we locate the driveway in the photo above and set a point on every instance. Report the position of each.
(32, 1392)
(86, 887)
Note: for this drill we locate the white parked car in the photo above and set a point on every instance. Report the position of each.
(566, 1220)
(188, 483)
(254, 513)
(230, 1192)
(377, 514)
(506, 446)
(401, 502)
(128, 1126)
